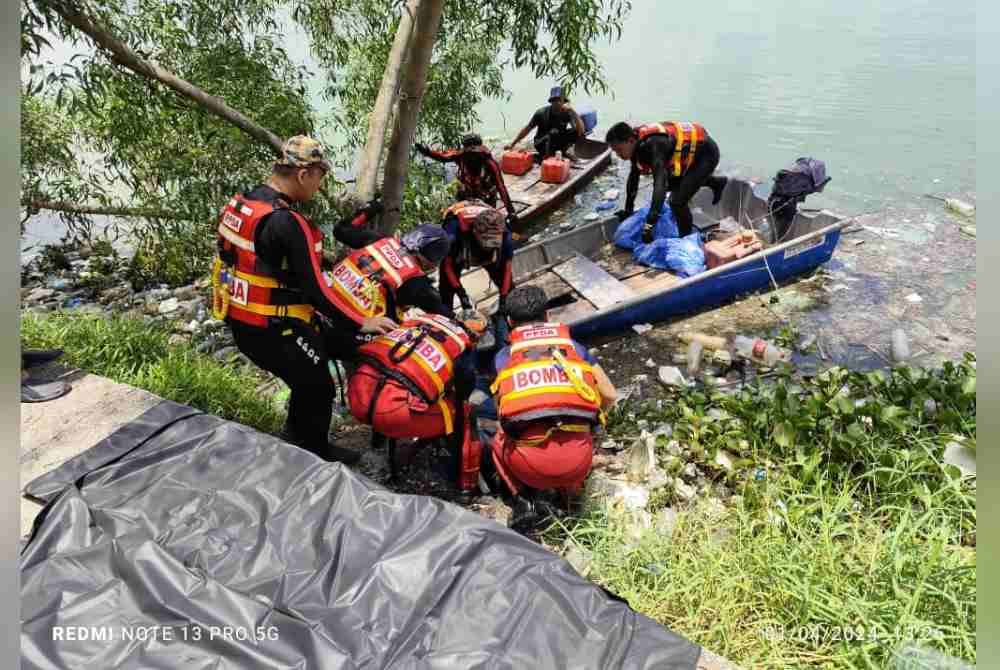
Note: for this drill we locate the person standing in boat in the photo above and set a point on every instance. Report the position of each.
(479, 237)
(557, 127)
(479, 174)
(682, 158)
(550, 394)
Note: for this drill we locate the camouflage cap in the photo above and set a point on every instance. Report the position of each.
(489, 228)
(302, 151)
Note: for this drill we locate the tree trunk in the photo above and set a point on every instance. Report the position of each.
(381, 114)
(125, 56)
(33, 206)
(397, 163)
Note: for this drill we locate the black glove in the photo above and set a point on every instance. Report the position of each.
(373, 208)
(647, 232)
(464, 299)
(623, 214)
(512, 220)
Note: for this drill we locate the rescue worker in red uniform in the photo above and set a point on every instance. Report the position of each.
(479, 174)
(479, 238)
(388, 275)
(681, 157)
(550, 395)
(268, 286)
(407, 380)
(414, 381)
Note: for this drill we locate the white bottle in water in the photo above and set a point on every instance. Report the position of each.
(900, 346)
(694, 353)
(760, 351)
(960, 206)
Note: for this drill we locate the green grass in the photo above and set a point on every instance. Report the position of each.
(853, 528)
(133, 352)
(784, 590)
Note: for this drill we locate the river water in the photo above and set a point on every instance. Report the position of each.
(882, 91)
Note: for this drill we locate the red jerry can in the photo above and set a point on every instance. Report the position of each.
(517, 162)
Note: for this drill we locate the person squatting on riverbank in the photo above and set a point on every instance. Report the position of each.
(681, 156)
(550, 395)
(479, 174)
(269, 287)
(415, 381)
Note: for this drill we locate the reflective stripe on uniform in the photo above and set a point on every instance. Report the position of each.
(678, 148)
(302, 312)
(234, 238)
(545, 342)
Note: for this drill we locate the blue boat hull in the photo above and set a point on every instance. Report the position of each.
(712, 290)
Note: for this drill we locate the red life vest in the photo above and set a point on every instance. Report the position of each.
(687, 137)
(546, 377)
(482, 184)
(365, 283)
(421, 355)
(245, 288)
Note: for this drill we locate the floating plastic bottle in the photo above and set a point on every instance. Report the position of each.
(694, 352)
(707, 341)
(760, 351)
(960, 206)
(641, 457)
(900, 348)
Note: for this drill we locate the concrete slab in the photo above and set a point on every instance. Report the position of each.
(55, 431)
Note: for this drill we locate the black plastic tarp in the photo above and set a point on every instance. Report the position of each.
(181, 526)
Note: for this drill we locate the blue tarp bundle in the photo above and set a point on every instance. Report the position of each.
(684, 256)
(668, 251)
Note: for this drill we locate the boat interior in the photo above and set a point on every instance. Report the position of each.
(583, 272)
(528, 193)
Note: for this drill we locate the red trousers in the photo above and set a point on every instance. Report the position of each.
(561, 462)
(398, 413)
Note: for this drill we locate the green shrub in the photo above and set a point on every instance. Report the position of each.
(133, 352)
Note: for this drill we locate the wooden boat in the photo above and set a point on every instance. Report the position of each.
(596, 288)
(532, 198)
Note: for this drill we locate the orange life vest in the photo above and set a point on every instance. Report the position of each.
(466, 212)
(687, 137)
(421, 355)
(364, 284)
(546, 377)
(245, 288)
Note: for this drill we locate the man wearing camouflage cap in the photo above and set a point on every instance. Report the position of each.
(268, 287)
(480, 237)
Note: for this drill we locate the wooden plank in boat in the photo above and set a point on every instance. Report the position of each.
(619, 263)
(573, 310)
(658, 279)
(593, 282)
(532, 197)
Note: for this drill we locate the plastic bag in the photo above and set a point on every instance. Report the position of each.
(629, 233)
(684, 256)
